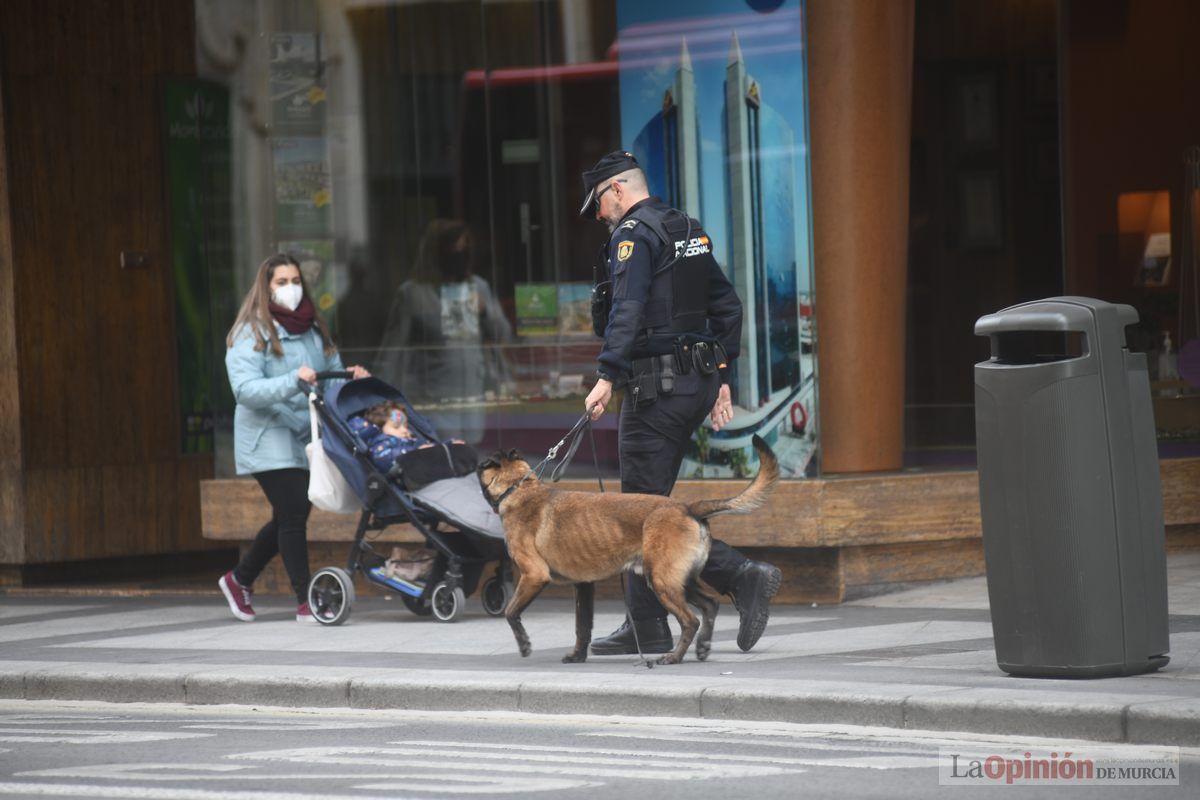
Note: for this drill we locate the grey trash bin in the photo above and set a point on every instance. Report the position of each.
(1069, 492)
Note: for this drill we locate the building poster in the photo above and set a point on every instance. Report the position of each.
(537, 309)
(714, 104)
(198, 177)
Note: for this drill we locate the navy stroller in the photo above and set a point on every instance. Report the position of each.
(438, 493)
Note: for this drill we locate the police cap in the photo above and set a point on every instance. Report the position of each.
(614, 163)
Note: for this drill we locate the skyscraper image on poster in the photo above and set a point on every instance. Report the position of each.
(714, 106)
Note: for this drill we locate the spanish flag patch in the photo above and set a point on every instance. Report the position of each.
(624, 251)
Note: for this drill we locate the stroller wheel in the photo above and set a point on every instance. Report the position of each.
(331, 596)
(448, 603)
(495, 595)
(416, 605)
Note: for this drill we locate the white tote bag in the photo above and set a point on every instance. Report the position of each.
(327, 489)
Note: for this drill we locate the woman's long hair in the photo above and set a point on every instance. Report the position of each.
(255, 312)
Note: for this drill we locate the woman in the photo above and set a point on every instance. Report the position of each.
(277, 340)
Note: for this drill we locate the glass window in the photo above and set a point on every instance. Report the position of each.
(422, 161)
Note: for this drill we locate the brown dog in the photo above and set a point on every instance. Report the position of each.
(582, 537)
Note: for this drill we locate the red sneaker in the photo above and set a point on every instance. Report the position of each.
(238, 597)
(304, 613)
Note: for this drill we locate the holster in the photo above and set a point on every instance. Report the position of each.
(651, 377)
(601, 306)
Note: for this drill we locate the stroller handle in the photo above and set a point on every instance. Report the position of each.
(307, 387)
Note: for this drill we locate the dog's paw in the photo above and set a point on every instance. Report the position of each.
(669, 658)
(526, 649)
(574, 657)
(702, 650)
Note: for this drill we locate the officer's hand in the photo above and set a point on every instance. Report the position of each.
(722, 410)
(598, 398)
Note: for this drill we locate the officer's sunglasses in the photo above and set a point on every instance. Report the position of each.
(600, 193)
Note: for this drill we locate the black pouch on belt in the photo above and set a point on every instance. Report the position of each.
(702, 357)
(643, 384)
(681, 351)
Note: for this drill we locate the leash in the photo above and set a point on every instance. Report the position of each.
(575, 434)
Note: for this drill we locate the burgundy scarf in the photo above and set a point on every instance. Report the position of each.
(297, 321)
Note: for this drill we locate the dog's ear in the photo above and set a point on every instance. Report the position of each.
(488, 463)
(513, 455)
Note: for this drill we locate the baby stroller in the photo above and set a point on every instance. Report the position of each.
(435, 489)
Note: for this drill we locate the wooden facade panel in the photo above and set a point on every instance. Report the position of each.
(115, 510)
(900, 508)
(877, 565)
(1181, 490)
(835, 512)
(91, 347)
(235, 510)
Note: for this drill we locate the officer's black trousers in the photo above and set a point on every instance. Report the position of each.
(653, 440)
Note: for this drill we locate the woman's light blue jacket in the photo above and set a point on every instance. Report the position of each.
(270, 422)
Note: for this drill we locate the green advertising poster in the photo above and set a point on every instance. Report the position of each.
(537, 309)
(198, 181)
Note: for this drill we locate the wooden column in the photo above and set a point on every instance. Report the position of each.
(860, 84)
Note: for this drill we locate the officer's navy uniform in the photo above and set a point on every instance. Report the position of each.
(691, 299)
(674, 327)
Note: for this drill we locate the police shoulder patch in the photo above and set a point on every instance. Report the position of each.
(624, 250)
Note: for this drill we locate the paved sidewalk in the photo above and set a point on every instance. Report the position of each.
(916, 659)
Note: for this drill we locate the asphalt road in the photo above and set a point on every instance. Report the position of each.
(175, 752)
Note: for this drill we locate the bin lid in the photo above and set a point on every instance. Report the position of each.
(1056, 314)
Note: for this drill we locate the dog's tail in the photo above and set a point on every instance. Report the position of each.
(754, 495)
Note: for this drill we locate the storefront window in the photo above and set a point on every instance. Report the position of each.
(422, 160)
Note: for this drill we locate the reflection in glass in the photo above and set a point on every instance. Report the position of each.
(422, 161)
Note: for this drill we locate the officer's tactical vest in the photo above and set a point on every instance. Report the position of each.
(678, 301)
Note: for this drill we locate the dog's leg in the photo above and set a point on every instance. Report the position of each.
(708, 606)
(672, 598)
(585, 595)
(528, 588)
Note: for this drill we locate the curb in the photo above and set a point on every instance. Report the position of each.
(1107, 718)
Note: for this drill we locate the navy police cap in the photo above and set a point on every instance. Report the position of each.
(614, 163)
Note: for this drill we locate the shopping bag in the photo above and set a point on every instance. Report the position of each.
(327, 489)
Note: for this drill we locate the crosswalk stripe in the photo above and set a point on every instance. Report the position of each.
(640, 769)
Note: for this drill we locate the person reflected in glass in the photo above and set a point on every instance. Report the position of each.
(444, 331)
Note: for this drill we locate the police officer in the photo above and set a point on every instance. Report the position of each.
(674, 327)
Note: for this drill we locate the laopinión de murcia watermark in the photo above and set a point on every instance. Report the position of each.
(1046, 766)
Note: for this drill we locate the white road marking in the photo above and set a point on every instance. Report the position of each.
(676, 757)
(58, 736)
(290, 725)
(162, 793)
(389, 780)
(802, 744)
(8, 612)
(459, 760)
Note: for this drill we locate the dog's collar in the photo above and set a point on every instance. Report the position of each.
(504, 495)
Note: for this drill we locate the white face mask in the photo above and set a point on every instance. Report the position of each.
(288, 296)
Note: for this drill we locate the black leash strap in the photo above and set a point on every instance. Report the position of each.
(576, 436)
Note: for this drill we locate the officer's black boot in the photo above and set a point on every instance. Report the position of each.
(754, 584)
(654, 635)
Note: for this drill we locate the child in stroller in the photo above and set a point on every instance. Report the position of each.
(431, 487)
(384, 429)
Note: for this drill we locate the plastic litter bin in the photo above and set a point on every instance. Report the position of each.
(1069, 491)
